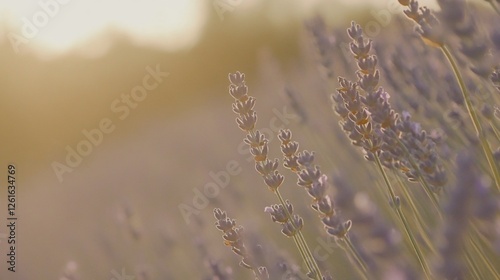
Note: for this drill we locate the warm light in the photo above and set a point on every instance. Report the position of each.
(58, 25)
(55, 26)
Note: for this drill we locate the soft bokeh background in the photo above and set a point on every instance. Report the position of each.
(118, 209)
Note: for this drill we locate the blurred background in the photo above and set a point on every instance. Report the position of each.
(111, 207)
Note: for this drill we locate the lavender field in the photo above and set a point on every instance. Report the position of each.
(328, 140)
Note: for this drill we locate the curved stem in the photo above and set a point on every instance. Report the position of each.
(356, 256)
(474, 270)
(495, 130)
(418, 216)
(401, 216)
(299, 240)
(473, 115)
(494, 6)
(304, 248)
(421, 178)
(474, 238)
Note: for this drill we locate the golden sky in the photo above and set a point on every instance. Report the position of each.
(59, 25)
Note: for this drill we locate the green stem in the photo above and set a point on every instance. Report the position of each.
(401, 216)
(474, 270)
(421, 178)
(473, 115)
(361, 264)
(495, 130)
(303, 247)
(295, 238)
(299, 240)
(356, 256)
(302, 253)
(418, 216)
(494, 6)
(480, 252)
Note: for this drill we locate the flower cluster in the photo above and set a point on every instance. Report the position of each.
(258, 145)
(423, 149)
(370, 122)
(279, 215)
(314, 182)
(243, 106)
(233, 236)
(427, 24)
(473, 42)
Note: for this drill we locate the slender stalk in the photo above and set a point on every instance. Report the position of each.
(304, 248)
(356, 256)
(473, 115)
(495, 130)
(480, 252)
(401, 216)
(494, 6)
(302, 253)
(421, 178)
(472, 265)
(361, 266)
(299, 240)
(418, 217)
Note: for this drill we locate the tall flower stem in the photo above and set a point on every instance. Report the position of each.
(302, 244)
(421, 178)
(243, 106)
(474, 270)
(299, 239)
(474, 239)
(473, 115)
(298, 242)
(356, 256)
(494, 6)
(418, 216)
(495, 130)
(406, 226)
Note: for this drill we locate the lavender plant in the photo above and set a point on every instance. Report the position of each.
(258, 145)
(448, 224)
(233, 237)
(389, 141)
(315, 183)
(432, 33)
